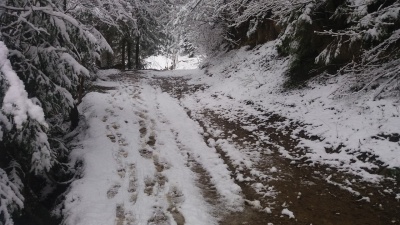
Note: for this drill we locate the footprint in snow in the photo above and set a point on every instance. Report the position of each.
(152, 140)
(110, 111)
(122, 217)
(143, 129)
(161, 179)
(159, 217)
(111, 137)
(116, 126)
(113, 191)
(145, 153)
(122, 142)
(175, 199)
(175, 196)
(121, 172)
(149, 185)
(132, 188)
(141, 115)
(160, 164)
(122, 152)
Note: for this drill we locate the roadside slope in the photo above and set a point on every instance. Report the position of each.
(352, 131)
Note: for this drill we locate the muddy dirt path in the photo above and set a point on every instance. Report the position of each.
(315, 194)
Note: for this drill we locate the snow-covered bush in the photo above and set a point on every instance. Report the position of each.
(361, 37)
(47, 49)
(374, 28)
(349, 36)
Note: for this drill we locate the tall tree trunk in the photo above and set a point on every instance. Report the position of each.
(74, 113)
(74, 118)
(137, 60)
(81, 89)
(108, 55)
(129, 54)
(123, 53)
(174, 59)
(109, 60)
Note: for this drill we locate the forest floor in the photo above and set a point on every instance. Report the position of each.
(151, 153)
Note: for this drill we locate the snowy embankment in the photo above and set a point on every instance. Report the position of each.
(363, 133)
(136, 154)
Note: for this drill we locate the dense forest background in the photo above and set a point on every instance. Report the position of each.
(50, 51)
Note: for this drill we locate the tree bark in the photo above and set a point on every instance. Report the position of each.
(109, 60)
(81, 89)
(74, 113)
(74, 118)
(129, 54)
(137, 61)
(123, 53)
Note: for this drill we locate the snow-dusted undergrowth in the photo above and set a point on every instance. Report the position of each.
(356, 122)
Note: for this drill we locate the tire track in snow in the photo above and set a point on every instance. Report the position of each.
(206, 181)
(143, 188)
(184, 204)
(173, 199)
(123, 215)
(187, 134)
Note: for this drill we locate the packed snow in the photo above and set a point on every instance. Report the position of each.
(135, 154)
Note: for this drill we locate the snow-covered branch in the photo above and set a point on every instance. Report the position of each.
(16, 101)
(11, 198)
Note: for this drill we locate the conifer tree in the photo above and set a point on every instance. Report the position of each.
(45, 55)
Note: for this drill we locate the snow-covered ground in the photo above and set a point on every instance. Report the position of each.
(158, 62)
(153, 153)
(161, 62)
(136, 153)
(354, 124)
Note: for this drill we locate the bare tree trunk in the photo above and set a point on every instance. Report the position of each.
(108, 55)
(174, 59)
(81, 89)
(123, 53)
(137, 61)
(74, 117)
(109, 60)
(74, 113)
(129, 54)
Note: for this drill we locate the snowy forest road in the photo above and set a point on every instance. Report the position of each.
(174, 163)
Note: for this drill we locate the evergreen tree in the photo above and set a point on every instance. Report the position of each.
(334, 36)
(45, 55)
